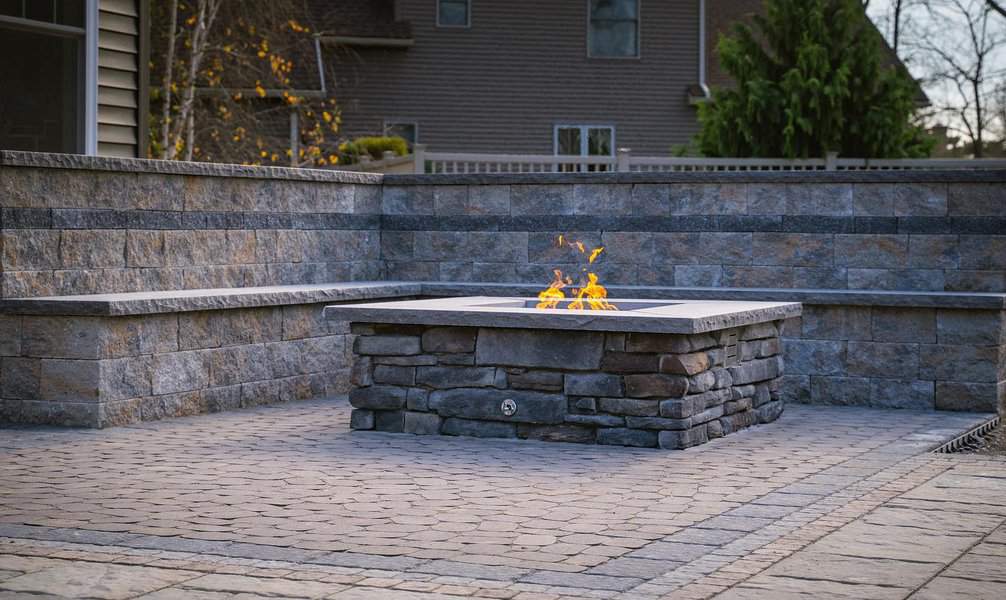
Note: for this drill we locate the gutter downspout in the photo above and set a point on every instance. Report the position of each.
(321, 63)
(702, 50)
(91, 78)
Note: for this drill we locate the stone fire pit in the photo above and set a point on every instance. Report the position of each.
(665, 373)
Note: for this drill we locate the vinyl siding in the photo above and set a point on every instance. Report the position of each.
(522, 68)
(118, 77)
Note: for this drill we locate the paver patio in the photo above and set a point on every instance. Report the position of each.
(286, 502)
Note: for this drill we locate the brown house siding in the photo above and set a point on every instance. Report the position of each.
(522, 68)
(721, 15)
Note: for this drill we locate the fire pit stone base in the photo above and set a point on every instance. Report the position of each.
(628, 389)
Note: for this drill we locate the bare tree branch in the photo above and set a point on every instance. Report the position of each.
(996, 7)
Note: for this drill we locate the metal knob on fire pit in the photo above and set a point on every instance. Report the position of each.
(508, 408)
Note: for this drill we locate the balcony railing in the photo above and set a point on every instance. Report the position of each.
(424, 161)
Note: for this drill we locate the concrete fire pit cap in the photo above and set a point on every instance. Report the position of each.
(647, 316)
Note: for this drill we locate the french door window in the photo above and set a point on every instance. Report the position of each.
(585, 140)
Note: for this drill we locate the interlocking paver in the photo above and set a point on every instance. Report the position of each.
(285, 501)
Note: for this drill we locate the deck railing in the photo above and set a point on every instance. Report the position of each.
(423, 161)
(624, 161)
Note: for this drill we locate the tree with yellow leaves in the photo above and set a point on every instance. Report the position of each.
(240, 81)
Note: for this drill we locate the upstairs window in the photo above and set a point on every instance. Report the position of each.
(614, 29)
(454, 13)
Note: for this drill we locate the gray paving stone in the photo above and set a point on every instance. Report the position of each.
(288, 494)
(673, 551)
(707, 536)
(464, 569)
(582, 580)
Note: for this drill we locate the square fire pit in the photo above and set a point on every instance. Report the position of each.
(664, 373)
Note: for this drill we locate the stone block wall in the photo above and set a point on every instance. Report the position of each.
(881, 231)
(107, 371)
(74, 225)
(897, 357)
(647, 390)
(83, 225)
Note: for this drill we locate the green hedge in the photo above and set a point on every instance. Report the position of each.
(350, 152)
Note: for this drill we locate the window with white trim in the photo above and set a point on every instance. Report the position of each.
(613, 29)
(585, 140)
(454, 13)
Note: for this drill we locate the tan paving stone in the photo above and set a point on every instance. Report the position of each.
(261, 586)
(95, 580)
(856, 570)
(978, 567)
(283, 486)
(952, 588)
(763, 587)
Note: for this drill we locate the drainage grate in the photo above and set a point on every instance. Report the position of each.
(971, 440)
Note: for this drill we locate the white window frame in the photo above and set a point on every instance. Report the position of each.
(468, 12)
(91, 79)
(584, 142)
(413, 122)
(639, 35)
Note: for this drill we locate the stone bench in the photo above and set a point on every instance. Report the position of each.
(919, 350)
(115, 359)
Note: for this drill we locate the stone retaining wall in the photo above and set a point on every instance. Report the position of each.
(83, 225)
(647, 390)
(74, 225)
(885, 231)
(107, 371)
(897, 357)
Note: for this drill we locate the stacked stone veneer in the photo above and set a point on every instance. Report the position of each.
(77, 225)
(74, 225)
(897, 357)
(648, 390)
(105, 371)
(912, 231)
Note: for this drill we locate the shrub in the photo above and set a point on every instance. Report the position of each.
(810, 79)
(374, 146)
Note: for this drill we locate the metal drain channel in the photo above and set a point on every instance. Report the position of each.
(966, 438)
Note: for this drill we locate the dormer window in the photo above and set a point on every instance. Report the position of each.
(613, 31)
(454, 13)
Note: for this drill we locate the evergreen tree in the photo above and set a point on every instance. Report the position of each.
(810, 78)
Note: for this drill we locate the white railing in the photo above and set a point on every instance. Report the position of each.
(448, 162)
(459, 163)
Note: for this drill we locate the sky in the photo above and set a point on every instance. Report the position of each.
(949, 34)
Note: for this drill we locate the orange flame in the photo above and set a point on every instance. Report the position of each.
(592, 292)
(595, 294)
(550, 298)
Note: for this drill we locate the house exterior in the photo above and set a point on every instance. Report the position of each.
(564, 77)
(523, 76)
(74, 76)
